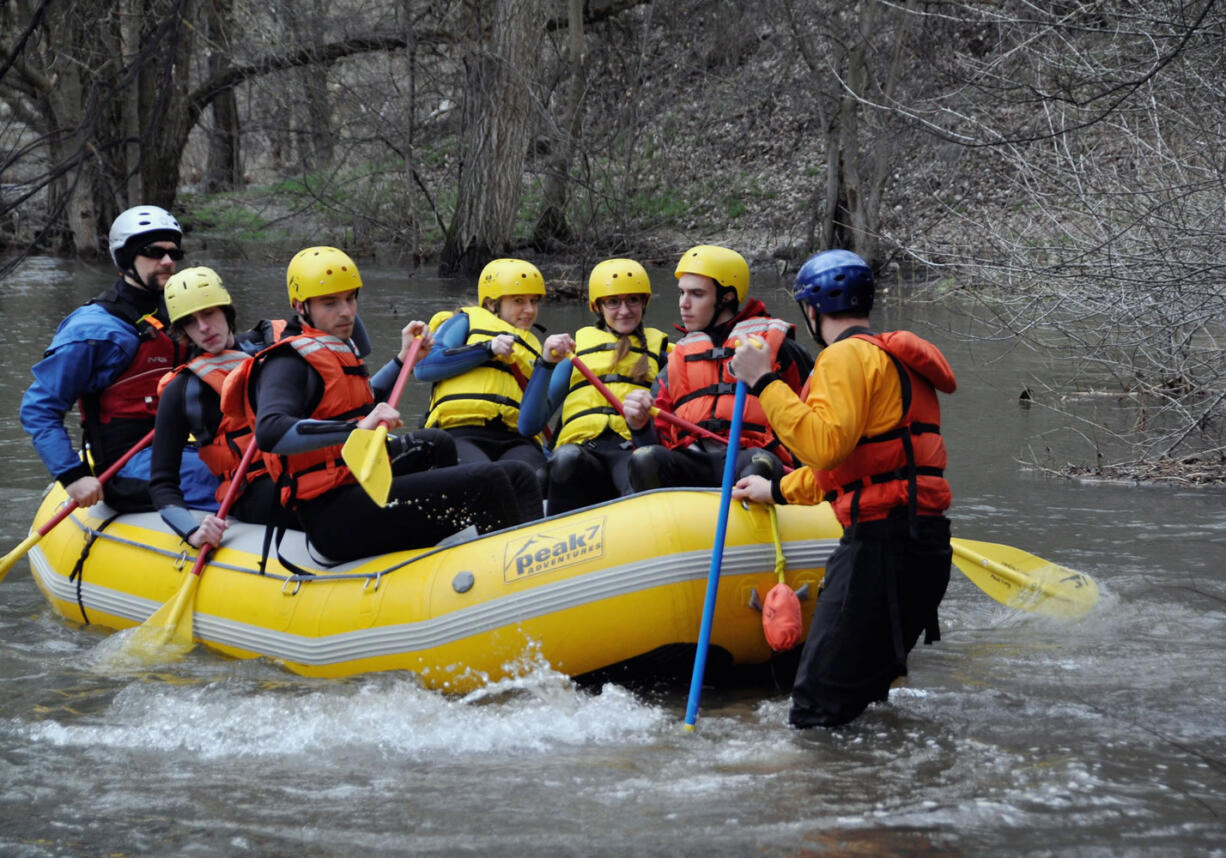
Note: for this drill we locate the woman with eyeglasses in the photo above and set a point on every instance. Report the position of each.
(106, 358)
(592, 450)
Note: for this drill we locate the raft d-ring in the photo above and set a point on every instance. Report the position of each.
(181, 561)
(377, 578)
(297, 582)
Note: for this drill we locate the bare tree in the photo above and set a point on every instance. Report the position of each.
(107, 100)
(500, 110)
(857, 56)
(1105, 237)
(551, 226)
(223, 171)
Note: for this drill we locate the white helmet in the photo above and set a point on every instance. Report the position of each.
(138, 226)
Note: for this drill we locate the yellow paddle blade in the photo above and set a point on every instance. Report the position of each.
(365, 452)
(168, 633)
(1021, 580)
(17, 553)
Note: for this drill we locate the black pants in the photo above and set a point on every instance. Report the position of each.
(881, 589)
(493, 443)
(656, 466)
(429, 500)
(260, 503)
(591, 472)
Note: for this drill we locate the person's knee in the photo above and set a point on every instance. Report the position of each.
(646, 468)
(566, 464)
(525, 487)
(521, 474)
(442, 446)
(763, 464)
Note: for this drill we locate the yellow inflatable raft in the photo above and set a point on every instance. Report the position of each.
(595, 588)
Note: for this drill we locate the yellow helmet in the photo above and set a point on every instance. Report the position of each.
(192, 290)
(320, 271)
(726, 267)
(509, 277)
(617, 277)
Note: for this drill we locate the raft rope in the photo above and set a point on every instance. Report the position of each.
(78, 569)
(376, 574)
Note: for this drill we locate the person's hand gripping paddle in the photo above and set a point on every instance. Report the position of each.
(168, 632)
(666, 416)
(30, 541)
(365, 451)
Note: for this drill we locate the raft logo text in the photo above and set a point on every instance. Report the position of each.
(549, 550)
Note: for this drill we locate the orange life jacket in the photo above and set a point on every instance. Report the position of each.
(221, 451)
(347, 394)
(703, 390)
(906, 465)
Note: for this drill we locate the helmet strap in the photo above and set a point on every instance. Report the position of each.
(303, 313)
(812, 322)
(722, 303)
(132, 273)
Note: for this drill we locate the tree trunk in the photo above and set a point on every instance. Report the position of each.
(496, 140)
(223, 170)
(129, 47)
(551, 227)
(317, 142)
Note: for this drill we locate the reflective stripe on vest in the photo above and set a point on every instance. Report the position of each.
(703, 390)
(220, 450)
(346, 394)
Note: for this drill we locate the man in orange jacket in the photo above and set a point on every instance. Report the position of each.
(716, 314)
(870, 439)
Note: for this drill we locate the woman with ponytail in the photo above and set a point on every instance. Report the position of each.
(592, 449)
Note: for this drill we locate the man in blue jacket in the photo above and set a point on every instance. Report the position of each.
(106, 358)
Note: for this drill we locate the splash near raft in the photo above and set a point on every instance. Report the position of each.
(595, 588)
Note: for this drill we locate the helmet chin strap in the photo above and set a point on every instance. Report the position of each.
(135, 275)
(722, 303)
(814, 323)
(305, 315)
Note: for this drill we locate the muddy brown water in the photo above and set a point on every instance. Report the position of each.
(1014, 735)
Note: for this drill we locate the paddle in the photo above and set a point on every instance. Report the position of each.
(365, 451)
(30, 541)
(1021, 580)
(717, 556)
(169, 630)
(666, 416)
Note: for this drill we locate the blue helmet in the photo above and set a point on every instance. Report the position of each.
(835, 280)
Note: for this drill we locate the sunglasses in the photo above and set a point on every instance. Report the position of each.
(155, 252)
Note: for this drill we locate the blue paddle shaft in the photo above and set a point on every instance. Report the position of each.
(717, 554)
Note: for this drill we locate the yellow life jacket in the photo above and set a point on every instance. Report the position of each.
(586, 413)
(492, 390)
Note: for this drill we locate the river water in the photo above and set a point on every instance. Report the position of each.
(1015, 735)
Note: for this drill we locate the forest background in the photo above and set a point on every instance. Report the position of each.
(1060, 166)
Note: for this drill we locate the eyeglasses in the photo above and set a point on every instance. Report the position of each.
(158, 253)
(616, 301)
